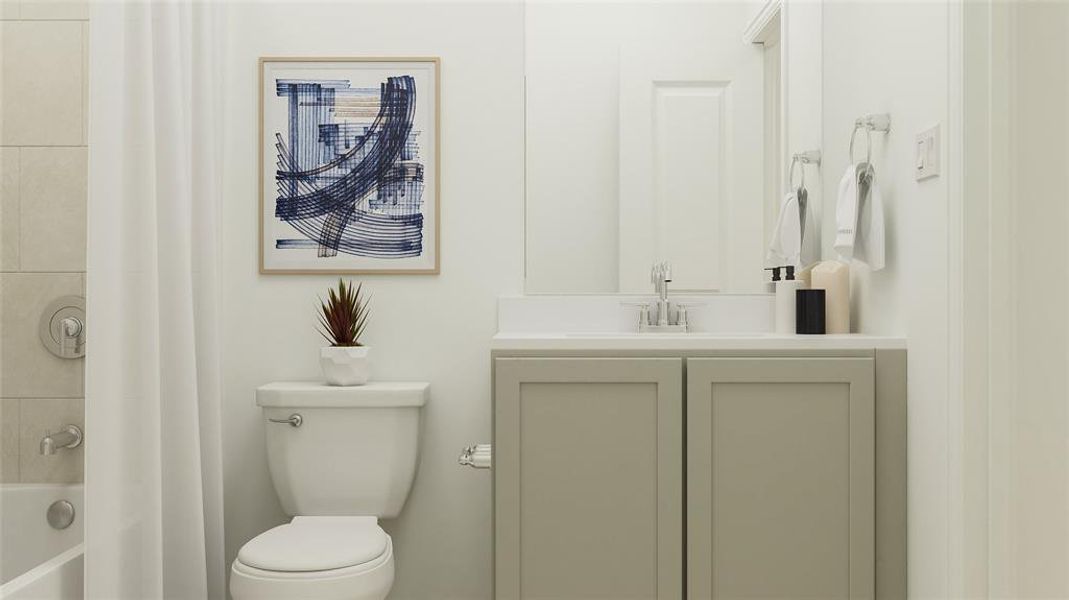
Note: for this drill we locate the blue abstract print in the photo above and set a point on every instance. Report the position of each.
(349, 173)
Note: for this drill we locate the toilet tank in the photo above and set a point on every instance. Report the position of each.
(354, 452)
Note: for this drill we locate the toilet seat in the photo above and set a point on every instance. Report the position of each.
(327, 558)
(316, 544)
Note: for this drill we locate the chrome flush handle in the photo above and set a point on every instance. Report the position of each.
(294, 420)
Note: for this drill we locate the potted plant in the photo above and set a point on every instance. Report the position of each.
(342, 319)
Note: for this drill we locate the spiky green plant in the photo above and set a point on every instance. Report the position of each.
(343, 316)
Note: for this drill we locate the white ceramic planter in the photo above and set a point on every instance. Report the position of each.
(345, 365)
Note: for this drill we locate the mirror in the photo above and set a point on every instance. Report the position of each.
(652, 134)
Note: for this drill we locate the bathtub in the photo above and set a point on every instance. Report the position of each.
(37, 561)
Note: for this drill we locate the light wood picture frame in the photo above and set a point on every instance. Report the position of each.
(349, 165)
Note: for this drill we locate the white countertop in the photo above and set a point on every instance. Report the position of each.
(691, 341)
(606, 323)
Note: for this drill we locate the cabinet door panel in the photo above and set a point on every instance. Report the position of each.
(780, 481)
(588, 478)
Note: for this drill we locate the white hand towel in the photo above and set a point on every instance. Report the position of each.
(846, 215)
(785, 247)
(859, 218)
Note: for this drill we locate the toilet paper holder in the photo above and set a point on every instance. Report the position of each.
(478, 456)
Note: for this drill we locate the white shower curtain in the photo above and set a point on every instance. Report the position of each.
(153, 461)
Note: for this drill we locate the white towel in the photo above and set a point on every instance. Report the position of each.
(859, 233)
(785, 247)
(846, 215)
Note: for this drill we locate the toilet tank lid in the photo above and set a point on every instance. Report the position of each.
(315, 394)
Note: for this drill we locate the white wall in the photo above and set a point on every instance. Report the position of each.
(893, 57)
(802, 48)
(425, 328)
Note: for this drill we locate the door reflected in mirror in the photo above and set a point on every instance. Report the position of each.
(652, 134)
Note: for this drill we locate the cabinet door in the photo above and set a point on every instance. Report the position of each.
(588, 478)
(780, 478)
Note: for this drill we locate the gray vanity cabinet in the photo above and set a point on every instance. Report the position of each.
(588, 478)
(718, 475)
(780, 478)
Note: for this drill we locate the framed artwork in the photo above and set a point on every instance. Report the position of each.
(349, 165)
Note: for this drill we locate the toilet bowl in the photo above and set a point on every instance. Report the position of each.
(325, 558)
(333, 549)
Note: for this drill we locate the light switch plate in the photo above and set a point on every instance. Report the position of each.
(927, 153)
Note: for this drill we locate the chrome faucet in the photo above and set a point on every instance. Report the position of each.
(661, 276)
(68, 437)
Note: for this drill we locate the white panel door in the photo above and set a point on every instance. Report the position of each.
(691, 164)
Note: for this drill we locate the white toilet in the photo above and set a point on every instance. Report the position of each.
(340, 458)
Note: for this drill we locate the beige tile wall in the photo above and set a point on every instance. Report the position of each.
(9, 440)
(43, 182)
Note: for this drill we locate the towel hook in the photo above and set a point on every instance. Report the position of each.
(869, 123)
(805, 158)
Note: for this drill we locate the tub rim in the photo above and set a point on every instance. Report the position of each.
(42, 570)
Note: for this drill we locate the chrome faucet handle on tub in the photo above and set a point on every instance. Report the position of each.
(62, 327)
(70, 332)
(294, 420)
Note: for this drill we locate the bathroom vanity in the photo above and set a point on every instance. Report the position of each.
(701, 466)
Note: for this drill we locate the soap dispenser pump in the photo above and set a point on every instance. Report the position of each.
(786, 292)
(776, 277)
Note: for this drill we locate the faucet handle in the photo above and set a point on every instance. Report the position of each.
(681, 312)
(643, 313)
(71, 338)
